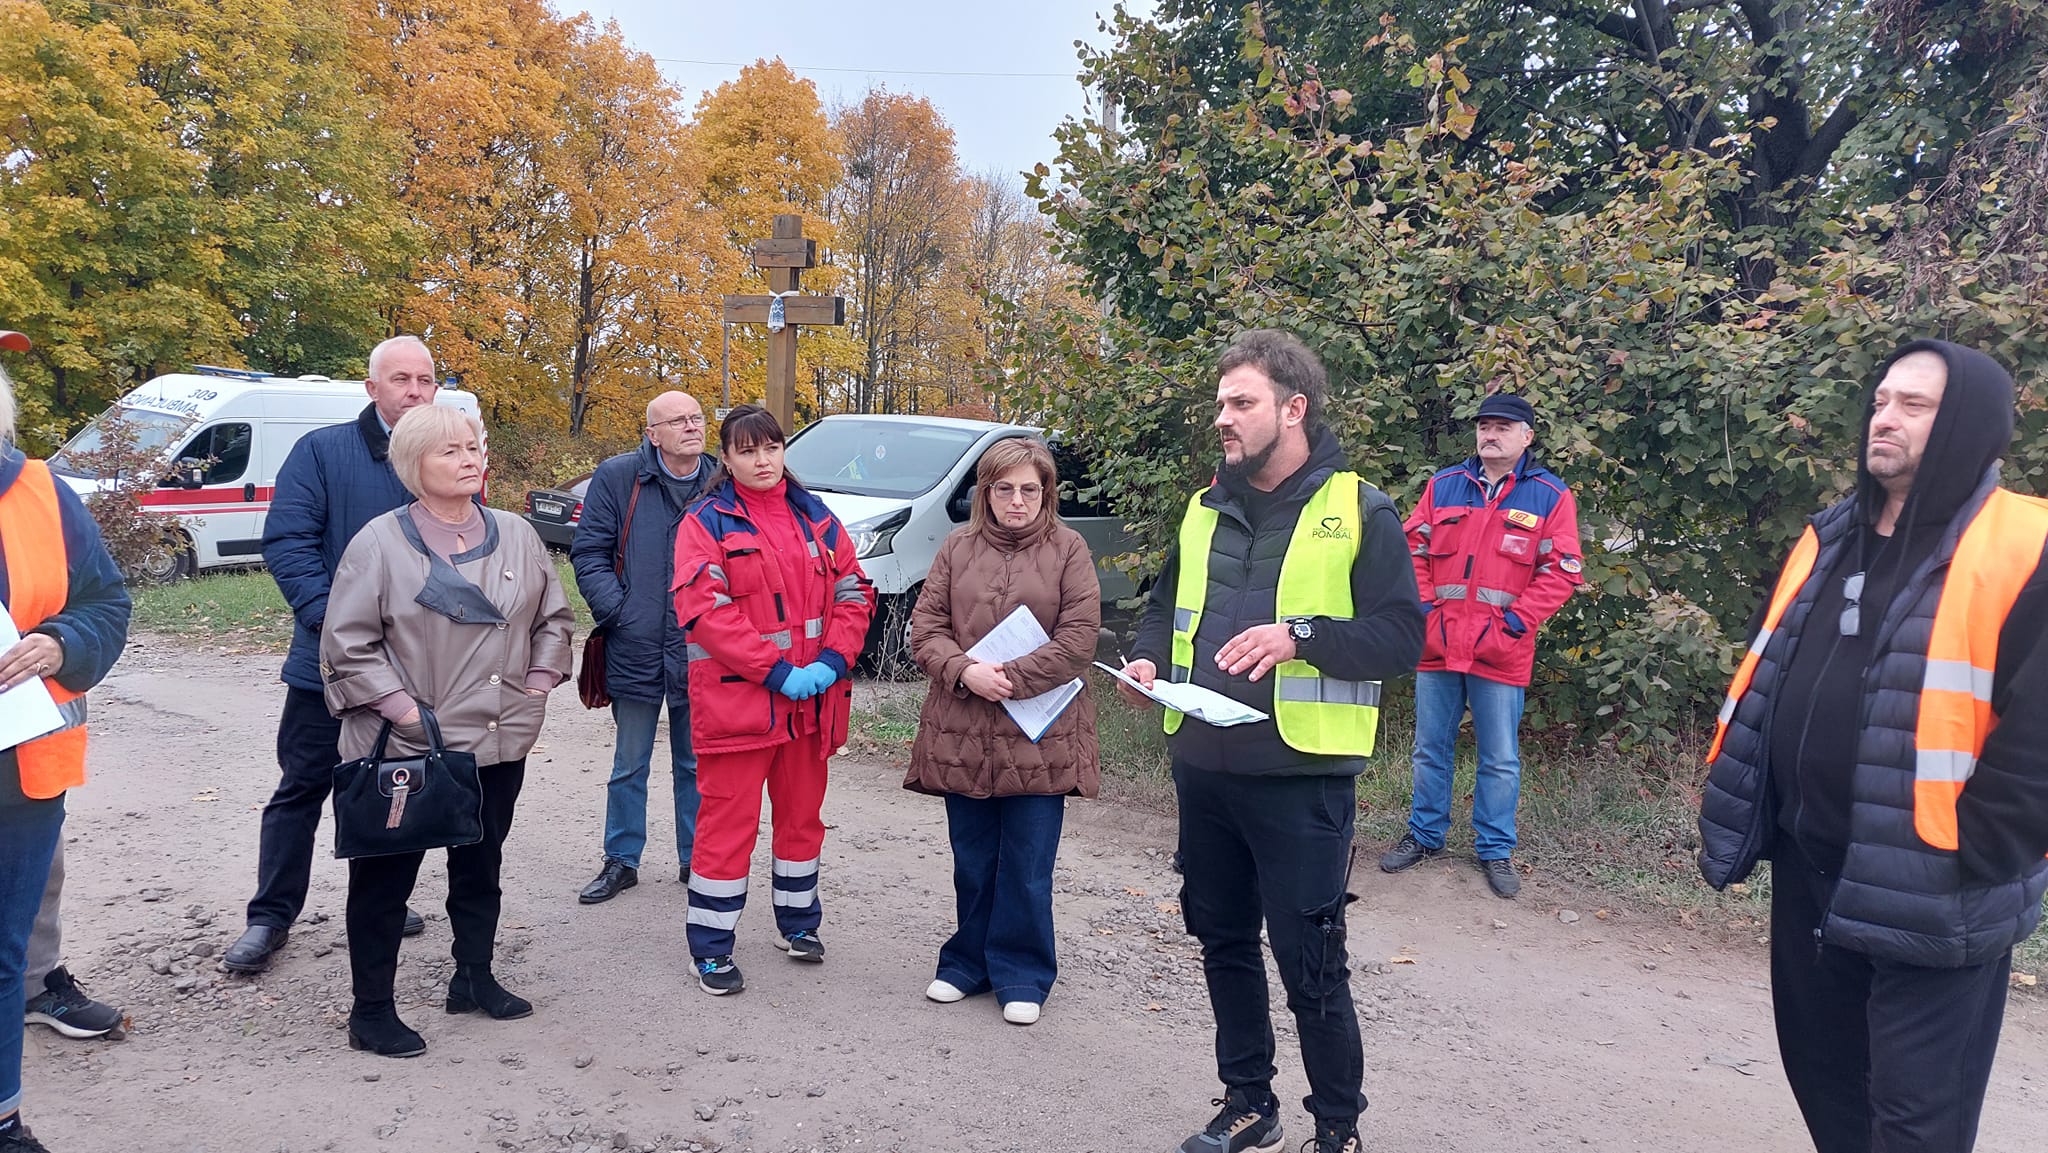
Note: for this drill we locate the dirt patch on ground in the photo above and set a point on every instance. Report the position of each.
(1489, 1025)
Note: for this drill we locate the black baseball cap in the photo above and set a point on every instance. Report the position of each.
(1508, 406)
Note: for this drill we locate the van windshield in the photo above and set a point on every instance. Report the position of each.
(145, 432)
(886, 458)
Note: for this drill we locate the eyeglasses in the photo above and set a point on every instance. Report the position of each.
(679, 422)
(1852, 612)
(1029, 492)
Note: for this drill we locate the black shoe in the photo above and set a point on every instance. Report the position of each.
(684, 876)
(20, 1140)
(472, 988)
(1406, 854)
(1502, 878)
(63, 1006)
(376, 1029)
(1334, 1138)
(718, 975)
(251, 952)
(611, 880)
(802, 945)
(1179, 863)
(1243, 1126)
(414, 924)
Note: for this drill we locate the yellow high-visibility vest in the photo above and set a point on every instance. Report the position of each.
(1314, 713)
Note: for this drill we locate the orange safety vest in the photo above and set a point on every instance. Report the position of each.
(1993, 561)
(38, 583)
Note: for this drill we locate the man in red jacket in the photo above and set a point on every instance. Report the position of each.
(1496, 548)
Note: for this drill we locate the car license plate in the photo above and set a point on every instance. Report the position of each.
(548, 507)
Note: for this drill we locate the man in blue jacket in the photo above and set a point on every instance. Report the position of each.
(336, 480)
(625, 555)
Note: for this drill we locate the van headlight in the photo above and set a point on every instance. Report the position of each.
(875, 536)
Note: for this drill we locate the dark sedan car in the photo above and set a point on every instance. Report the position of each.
(554, 513)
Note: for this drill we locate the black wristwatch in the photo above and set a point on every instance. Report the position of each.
(1302, 629)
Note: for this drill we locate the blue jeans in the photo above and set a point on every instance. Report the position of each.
(1440, 700)
(28, 839)
(1003, 850)
(625, 808)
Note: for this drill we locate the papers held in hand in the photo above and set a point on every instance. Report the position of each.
(1205, 705)
(27, 710)
(1017, 635)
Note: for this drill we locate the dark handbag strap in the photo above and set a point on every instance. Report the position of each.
(427, 722)
(626, 532)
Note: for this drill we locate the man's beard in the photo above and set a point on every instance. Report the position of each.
(1250, 464)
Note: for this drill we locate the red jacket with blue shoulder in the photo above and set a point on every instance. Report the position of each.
(1492, 564)
(745, 629)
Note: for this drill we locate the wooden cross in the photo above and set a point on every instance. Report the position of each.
(783, 257)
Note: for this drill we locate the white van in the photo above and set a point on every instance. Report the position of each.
(902, 483)
(220, 435)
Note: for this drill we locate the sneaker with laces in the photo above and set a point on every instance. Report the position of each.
(1502, 878)
(63, 1006)
(1242, 1126)
(719, 976)
(1406, 854)
(1334, 1138)
(802, 945)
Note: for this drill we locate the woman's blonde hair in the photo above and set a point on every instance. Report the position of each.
(1001, 457)
(421, 429)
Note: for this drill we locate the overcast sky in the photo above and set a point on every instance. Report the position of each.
(1002, 119)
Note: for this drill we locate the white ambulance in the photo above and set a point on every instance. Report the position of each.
(219, 435)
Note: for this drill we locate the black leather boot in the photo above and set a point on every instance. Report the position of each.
(374, 1027)
(473, 988)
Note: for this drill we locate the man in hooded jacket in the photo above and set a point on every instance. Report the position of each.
(1877, 746)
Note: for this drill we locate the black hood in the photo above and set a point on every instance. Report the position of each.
(1972, 431)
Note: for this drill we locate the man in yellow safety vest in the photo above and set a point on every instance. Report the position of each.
(1291, 591)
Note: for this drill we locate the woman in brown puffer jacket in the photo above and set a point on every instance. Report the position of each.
(1005, 795)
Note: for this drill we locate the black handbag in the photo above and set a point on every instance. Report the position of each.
(385, 805)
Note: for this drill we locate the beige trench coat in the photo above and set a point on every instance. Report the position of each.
(378, 640)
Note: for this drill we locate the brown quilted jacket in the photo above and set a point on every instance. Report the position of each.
(970, 746)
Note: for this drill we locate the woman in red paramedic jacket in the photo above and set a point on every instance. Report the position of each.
(774, 607)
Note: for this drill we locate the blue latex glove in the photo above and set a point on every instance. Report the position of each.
(803, 684)
(825, 676)
(1515, 626)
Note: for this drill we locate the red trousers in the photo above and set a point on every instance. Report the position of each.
(728, 824)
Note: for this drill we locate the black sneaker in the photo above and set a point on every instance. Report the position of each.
(1332, 1138)
(20, 1140)
(1241, 1127)
(1502, 878)
(719, 976)
(802, 945)
(1406, 854)
(63, 1006)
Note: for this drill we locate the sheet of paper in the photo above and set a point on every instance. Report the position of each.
(1014, 636)
(26, 710)
(1205, 705)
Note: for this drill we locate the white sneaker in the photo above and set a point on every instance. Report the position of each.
(1020, 1012)
(944, 992)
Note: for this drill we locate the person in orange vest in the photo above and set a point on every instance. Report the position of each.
(1883, 746)
(65, 596)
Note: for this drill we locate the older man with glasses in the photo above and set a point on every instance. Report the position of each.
(624, 555)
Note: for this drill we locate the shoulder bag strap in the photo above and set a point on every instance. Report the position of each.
(626, 532)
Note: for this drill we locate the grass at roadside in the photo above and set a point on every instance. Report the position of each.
(245, 609)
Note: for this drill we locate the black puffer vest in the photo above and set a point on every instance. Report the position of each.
(1898, 898)
(1244, 590)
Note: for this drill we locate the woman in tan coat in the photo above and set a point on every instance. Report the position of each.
(1005, 795)
(450, 605)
